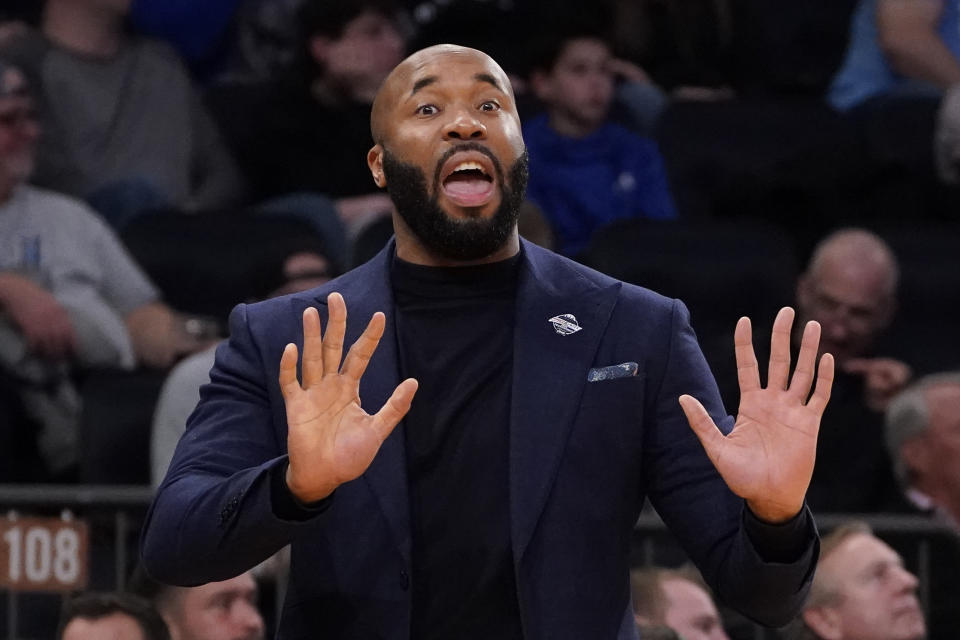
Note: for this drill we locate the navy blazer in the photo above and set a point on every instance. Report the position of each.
(582, 457)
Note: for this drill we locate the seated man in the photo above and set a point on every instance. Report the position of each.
(861, 591)
(677, 599)
(850, 288)
(123, 125)
(70, 296)
(585, 171)
(225, 610)
(111, 616)
(923, 438)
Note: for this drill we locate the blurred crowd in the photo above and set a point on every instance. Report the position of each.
(162, 161)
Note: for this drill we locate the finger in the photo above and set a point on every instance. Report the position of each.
(395, 408)
(748, 373)
(806, 361)
(821, 394)
(779, 369)
(312, 348)
(288, 372)
(857, 365)
(703, 425)
(333, 338)
(362, 350)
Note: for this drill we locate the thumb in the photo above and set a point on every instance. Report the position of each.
(703, 425)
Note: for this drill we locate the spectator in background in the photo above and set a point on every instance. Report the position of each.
(861, 591)
(677, 599)
(850, 288)
(903, 58)
(923, 438)
(110, 616)
(70, 296)
(585, 171)
(225, 610)
(901, 49)
(123, 125)
(310, 132)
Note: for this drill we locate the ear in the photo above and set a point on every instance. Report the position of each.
(542, 85)
(824, 622)
(319, 48)
(375, 162)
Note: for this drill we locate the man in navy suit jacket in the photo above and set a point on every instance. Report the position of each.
(540, 403)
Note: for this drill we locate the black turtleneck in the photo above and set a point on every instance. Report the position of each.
(455, 331)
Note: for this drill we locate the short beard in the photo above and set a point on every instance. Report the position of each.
(442, 235)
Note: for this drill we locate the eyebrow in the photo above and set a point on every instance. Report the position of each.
(421, 83)
(486, 77)
(480, 77)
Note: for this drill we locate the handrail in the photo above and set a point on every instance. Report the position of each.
(133, 496)
(70, 496)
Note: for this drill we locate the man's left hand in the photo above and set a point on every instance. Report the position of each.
(768, 457)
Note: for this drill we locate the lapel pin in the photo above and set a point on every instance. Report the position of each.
(565, 324)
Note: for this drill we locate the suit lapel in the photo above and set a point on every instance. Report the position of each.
(366, 291)
(549, 374)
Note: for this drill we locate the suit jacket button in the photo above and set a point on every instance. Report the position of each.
(404, 580)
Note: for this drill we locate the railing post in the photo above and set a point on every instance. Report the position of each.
(120, 527)
(11, 615)
(923, 575)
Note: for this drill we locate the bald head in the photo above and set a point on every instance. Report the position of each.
(857, 250)
(413, 74)
(850, 288)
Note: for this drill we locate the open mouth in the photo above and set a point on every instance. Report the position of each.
(468, 182)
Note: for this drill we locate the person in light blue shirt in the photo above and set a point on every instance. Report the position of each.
(899, 48)
(585, 171)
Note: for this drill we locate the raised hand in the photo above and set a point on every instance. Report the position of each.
(768, 457)
(330, 438)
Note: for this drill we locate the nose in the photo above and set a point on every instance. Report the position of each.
(908, 581)
(249, 618)
(835, 329)
(465, 126)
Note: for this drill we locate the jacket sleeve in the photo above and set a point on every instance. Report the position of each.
(214, 515)
(763, 571)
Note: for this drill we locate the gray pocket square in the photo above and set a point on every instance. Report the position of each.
(614, 371)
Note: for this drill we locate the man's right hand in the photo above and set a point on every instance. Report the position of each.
(41, 319)
(330, 438)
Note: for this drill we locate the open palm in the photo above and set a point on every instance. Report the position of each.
(330, 438)
(768, 458)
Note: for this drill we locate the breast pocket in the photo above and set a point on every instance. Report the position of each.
(616, 393)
